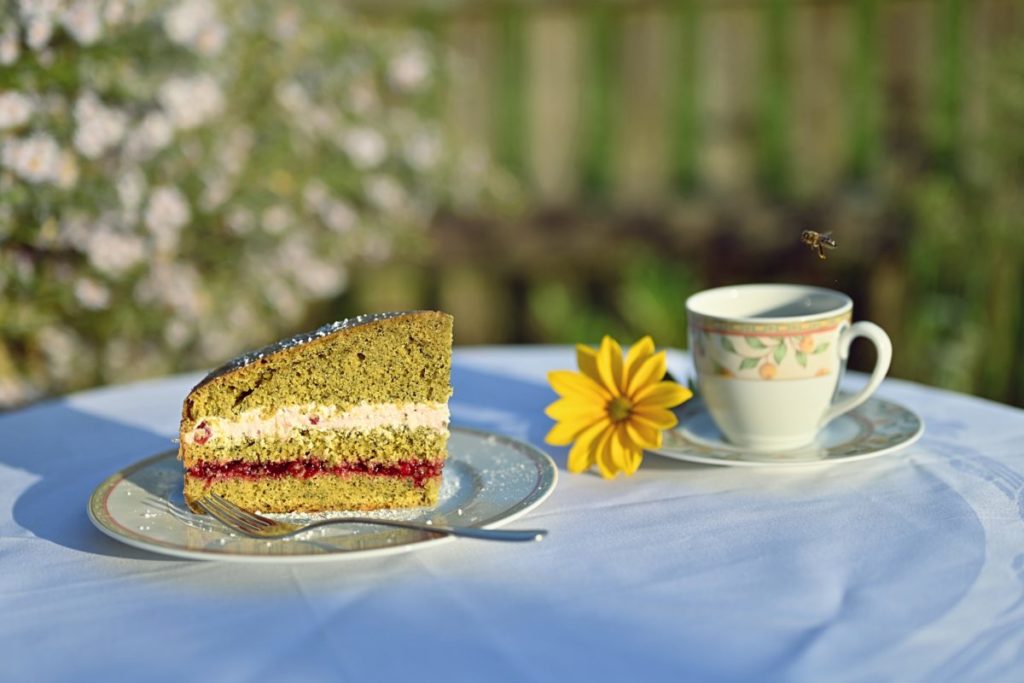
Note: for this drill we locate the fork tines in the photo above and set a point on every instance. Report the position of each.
(232, 515)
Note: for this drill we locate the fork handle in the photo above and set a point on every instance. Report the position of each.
(514, 535)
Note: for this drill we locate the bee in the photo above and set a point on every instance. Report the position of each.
(818, 241)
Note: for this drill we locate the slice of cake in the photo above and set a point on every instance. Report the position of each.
(352, 416)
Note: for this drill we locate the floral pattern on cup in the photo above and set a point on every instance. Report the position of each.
(765, 357)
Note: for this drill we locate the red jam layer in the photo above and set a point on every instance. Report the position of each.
(420, 471)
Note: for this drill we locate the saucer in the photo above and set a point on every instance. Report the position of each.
(874, 428)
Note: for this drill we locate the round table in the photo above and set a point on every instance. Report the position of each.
(909, 566)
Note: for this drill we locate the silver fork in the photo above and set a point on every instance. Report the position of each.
(258, 526)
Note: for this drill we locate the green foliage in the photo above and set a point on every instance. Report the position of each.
(864, 92)
(965, 258)
(646, 297)
(511, 125)
(652, 297)
(562, 313)
(599, 92)
(774, 98)
(686, 102)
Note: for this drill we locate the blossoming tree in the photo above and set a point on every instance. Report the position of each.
(180, 180)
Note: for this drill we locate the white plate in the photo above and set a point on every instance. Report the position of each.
(874, 428)
(489, 480)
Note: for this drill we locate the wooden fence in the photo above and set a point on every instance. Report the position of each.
(710, 133)
(634, 102)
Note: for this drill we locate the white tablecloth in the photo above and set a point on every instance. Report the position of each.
(906, 567)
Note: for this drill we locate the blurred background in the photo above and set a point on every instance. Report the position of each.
(182, 181)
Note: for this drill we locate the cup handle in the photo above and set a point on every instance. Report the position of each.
(883, 347)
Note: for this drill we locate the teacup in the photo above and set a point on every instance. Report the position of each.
(769, 359)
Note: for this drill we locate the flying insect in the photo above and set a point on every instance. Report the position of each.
(818, 242)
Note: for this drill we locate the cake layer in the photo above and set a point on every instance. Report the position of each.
(419, 470)
(404, 359)
(383, 446)
(353, 491)
(283, 421)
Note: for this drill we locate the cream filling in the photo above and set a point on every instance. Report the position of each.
(312, 417)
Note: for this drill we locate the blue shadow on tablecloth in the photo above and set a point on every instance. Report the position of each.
(71, 452)
(502, 404)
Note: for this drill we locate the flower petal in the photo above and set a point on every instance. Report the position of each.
(633, 459)
(564, 432)
(638, 353)
(649, 372)
(644, 435)
(648, 423)
(581, 457)
(625, 454)
(623, 437)
(586, 359)
(574, 408)
(603, 454)
(609, 365)
(592, 432)
(575, 384)
(632, 454)
(618, 452)
(584, 452)
(662, 395)
(659, 418)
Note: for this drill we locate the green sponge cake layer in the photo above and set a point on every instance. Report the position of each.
(383, 446)
(310, 422)
(322, 492)
(404, 358)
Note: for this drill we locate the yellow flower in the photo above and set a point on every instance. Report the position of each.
(613, 408)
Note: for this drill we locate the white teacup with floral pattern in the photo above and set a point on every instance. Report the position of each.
(769, 359)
